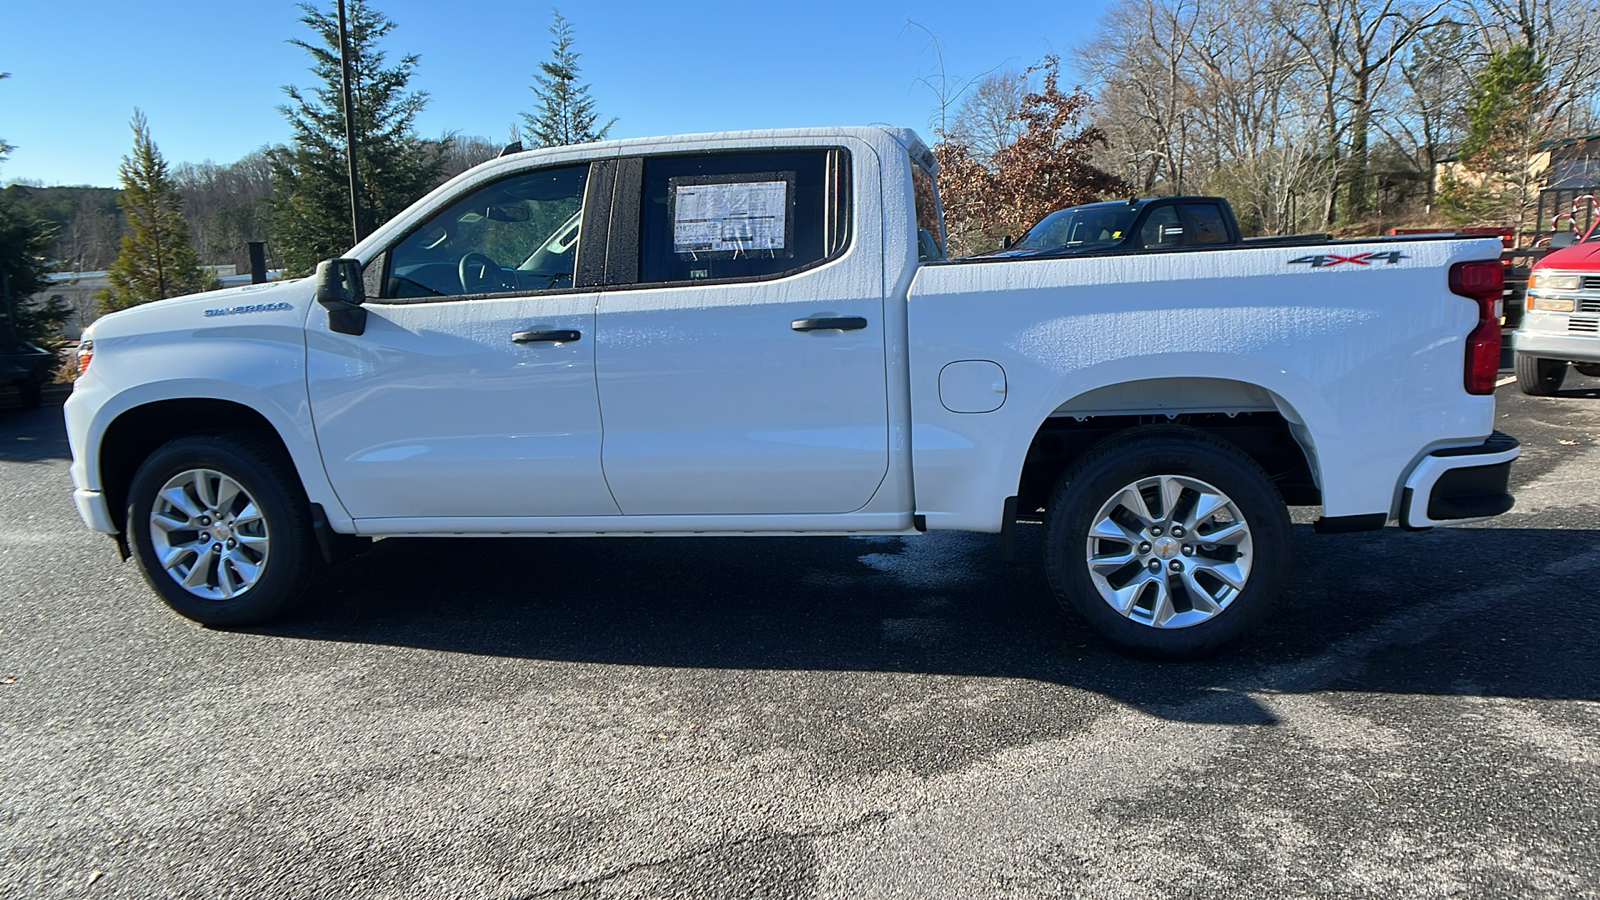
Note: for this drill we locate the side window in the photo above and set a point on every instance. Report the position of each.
(1157, 228)
(930, 230)
(738, 215)
(1206, 224)
(515, 235)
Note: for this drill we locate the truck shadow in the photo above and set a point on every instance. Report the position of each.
(1488, 612)
(32, 435)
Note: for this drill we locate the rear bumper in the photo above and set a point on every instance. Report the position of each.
(1461, 484)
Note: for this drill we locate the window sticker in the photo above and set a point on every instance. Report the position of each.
(726, 216)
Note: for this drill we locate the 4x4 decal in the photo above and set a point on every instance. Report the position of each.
(1325, 260)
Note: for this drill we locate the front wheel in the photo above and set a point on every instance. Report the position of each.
(221, 529)
(1168, 541)
(1540, 377)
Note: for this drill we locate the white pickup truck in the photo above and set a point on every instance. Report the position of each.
(758, 333)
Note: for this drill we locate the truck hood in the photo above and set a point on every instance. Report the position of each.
(210, 308)
(1584, 256)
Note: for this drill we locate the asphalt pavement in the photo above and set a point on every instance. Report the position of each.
(795, 718)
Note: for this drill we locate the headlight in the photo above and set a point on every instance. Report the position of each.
(1554, 282)
(1551, 304)
(85, 353)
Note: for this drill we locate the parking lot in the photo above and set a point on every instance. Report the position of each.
(762, 717)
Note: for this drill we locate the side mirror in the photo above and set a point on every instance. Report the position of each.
(1563, 239)
(339, 288)
(1006, 242)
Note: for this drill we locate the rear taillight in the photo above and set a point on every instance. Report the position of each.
(85, 355)
(1483, 282)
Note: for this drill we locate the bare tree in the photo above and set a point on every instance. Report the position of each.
(988, 118)
(1426, 120)
(1208, 97)
(1139, 65)
(1352, 46)
(947, 89)
(466, 152)
(225, 205)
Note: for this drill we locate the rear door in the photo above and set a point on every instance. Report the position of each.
(739, 348)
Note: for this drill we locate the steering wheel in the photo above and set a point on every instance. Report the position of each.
(479, 274)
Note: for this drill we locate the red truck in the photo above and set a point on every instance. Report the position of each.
(1561, 323)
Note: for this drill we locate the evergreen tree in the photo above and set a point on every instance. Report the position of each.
(566, 111)
(1506, 121)
(311, 190)
(24, 241)
(157, 261)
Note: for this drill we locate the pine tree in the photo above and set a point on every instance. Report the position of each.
(566, 111)
(24, 241)
(1506, 121)
(311, 190)
(157, 261)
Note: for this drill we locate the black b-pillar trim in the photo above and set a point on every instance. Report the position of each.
(593, 233)
(622, 251)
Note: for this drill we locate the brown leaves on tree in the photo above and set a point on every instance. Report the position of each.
(1045, 169)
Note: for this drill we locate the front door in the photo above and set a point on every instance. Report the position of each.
(740, 359)
(471, 391)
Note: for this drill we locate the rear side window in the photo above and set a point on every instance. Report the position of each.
(1206, 224)
(1157, 228)
(742, 215)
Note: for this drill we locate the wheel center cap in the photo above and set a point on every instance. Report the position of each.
(221, 531)
(1166, 548)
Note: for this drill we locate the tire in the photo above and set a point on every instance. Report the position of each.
(1540, 377)
(260, 561)
(1590, 369)
(30, 393)
(1187, 607)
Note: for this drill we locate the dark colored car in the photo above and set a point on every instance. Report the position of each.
(21, 363)
(1120, 226)
(27, 367)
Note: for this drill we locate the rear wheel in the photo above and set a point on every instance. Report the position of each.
(1540, 377)
(221, 529)
(1168, 541)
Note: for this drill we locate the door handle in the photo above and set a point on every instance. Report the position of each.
(552, 337)
(829, 323)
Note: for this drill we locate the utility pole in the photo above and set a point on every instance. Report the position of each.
(349, 129)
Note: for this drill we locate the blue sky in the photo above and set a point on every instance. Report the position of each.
(209, 74)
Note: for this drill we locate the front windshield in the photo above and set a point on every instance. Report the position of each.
(1078, 228)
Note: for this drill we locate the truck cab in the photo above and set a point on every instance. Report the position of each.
(1122, 226)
